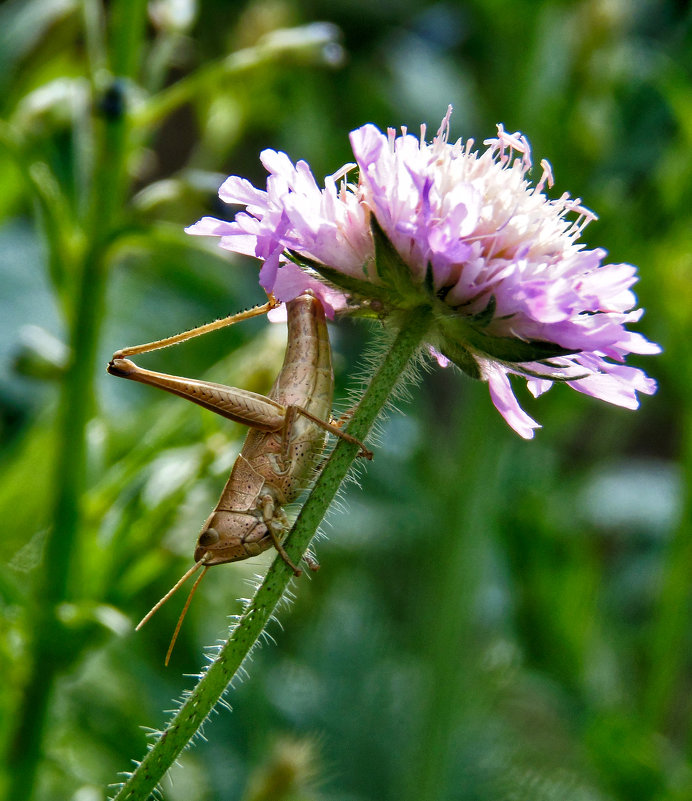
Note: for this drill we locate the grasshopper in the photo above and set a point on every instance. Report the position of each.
(288, 429)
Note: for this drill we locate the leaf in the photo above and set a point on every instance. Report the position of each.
(391, 268)
(462, 358)
(22, 25)
(505, 349)
(361, 290)
(484, 318)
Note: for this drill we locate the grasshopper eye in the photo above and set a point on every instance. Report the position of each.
(209, 537)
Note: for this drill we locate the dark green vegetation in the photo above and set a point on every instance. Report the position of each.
(494, 619)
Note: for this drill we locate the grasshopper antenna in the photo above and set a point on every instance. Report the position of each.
(172, 590)
(184, 612)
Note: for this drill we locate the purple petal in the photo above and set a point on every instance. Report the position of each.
(239, 190)
(291, 281)
(505, 402)
(210, 226)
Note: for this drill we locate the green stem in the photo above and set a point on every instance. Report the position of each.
(50, 644)
(192, 714)
(667, 653)
(53, 646)
(128, 26)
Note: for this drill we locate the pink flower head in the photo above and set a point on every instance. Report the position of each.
(459, 231)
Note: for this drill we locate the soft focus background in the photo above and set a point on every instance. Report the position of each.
(494, 619)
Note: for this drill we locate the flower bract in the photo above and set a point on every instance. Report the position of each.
(460, 230)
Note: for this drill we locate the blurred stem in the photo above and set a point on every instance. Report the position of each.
(212, 77)
(128, 25)
(94, 33)
(52, 649)
(668, 656)
(214, 682)
(447, 624)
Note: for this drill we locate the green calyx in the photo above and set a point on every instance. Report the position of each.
(460, 337)
(464, 330)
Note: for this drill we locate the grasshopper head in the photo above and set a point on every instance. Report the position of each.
(230, 537)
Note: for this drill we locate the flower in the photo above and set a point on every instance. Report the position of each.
(463, 232)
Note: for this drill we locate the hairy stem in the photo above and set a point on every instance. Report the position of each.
(192, 714)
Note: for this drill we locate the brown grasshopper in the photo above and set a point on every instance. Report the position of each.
(287, 434)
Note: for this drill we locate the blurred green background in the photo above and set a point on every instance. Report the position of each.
(494, 619)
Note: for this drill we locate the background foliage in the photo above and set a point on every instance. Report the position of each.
(494, 619)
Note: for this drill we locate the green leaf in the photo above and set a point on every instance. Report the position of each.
(22, 27)
(361, 290)
(391, 268)
(463, 359)
(505, 349)
(483, 318)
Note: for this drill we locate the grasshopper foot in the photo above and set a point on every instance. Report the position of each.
(311, 562)
(121, 367)
(282, 553)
